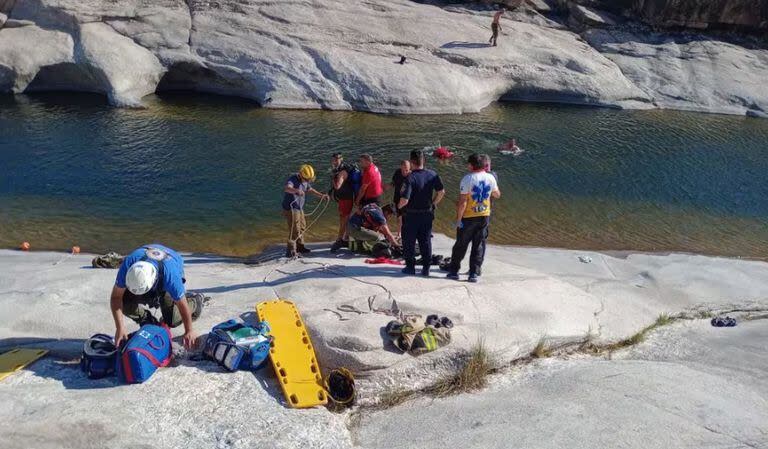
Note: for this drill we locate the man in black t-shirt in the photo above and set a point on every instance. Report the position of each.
(421, 192)
(344, 194)
(398, 178)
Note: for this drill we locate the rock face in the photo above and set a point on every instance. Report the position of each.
(733, 14)
(672, 71)
(331, 54)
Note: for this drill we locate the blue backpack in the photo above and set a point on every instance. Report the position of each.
(236, 346)
(99, 355)
(147, 349)
(355, 178)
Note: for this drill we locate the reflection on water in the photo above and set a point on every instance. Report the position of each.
(206, 173)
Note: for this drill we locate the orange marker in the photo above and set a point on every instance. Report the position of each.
(25, 246)
(75, 250)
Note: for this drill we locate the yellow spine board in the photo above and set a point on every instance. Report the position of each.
(18, 358)
(292, 354)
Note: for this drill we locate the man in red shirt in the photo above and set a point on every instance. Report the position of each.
(370, 186)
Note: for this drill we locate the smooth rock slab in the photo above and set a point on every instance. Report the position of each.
(690, 72)
(712, 397)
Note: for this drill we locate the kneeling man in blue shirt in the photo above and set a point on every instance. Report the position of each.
(153, 276)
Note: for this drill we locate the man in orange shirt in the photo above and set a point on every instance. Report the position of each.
(370, 186)
(496, 26)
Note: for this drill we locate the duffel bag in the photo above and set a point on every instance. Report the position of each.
(146, 350)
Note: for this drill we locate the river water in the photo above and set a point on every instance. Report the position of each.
(205, 173)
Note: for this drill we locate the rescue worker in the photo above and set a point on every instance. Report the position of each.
(295, 190)
(369, 225)
(343, 192)
(473, 215)
(153, 276)
(422, 191)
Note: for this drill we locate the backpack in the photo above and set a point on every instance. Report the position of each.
(146, 350)
(235, 345)
(355, 178)
(98, 358)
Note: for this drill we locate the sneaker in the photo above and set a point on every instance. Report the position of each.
(199, 301)
(472, 278)
(454, 276)
(409, 270)
(338, 244)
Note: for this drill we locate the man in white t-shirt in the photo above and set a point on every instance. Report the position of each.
(473, 213)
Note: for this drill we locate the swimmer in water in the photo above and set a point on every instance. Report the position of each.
(510, 148)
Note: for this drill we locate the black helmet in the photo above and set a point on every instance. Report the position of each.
(381, 249)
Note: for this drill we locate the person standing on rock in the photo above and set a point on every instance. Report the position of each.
(420, 194)
(486, 161)
(398, 178)
(496, 26)
(344, 194)
(473, 214)
(295, 190)
(370, 188)
(153, 276)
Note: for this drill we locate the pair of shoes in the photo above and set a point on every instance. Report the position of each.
(472, 278)
(454, 276)
(723, 322)
(437, 322)
(199, 301)
(409, 270)
(338, 244)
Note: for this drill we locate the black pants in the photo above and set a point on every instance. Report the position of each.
(373, 200)
(474, 232)
(171, 314)
(417, 227)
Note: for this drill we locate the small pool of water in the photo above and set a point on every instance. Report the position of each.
(205, 173)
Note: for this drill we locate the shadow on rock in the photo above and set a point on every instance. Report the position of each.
(461, 44)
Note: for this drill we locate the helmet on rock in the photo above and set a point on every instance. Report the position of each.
(141, 277)
(307, 172)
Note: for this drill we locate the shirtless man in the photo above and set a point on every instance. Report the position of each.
(496, 26)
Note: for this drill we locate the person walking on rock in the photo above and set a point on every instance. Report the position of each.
(473, 213)
(295, 190)
(420, 194)
(496, 26)
(370, 188)
(153, 276)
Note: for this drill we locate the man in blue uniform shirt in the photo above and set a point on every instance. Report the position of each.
(421, 192)
(153, 276)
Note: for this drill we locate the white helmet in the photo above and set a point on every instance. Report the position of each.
(141, 277)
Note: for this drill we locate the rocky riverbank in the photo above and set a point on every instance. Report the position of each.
(335, 54)
(711, 377)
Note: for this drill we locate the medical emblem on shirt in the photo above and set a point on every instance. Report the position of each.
(156, 254)
(481, 192)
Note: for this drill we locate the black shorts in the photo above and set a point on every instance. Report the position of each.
(495, 29)
(366, 201)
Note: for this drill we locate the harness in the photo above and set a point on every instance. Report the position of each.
(368, 219)
(347, 189)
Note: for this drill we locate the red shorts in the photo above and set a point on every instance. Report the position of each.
(345, 207)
